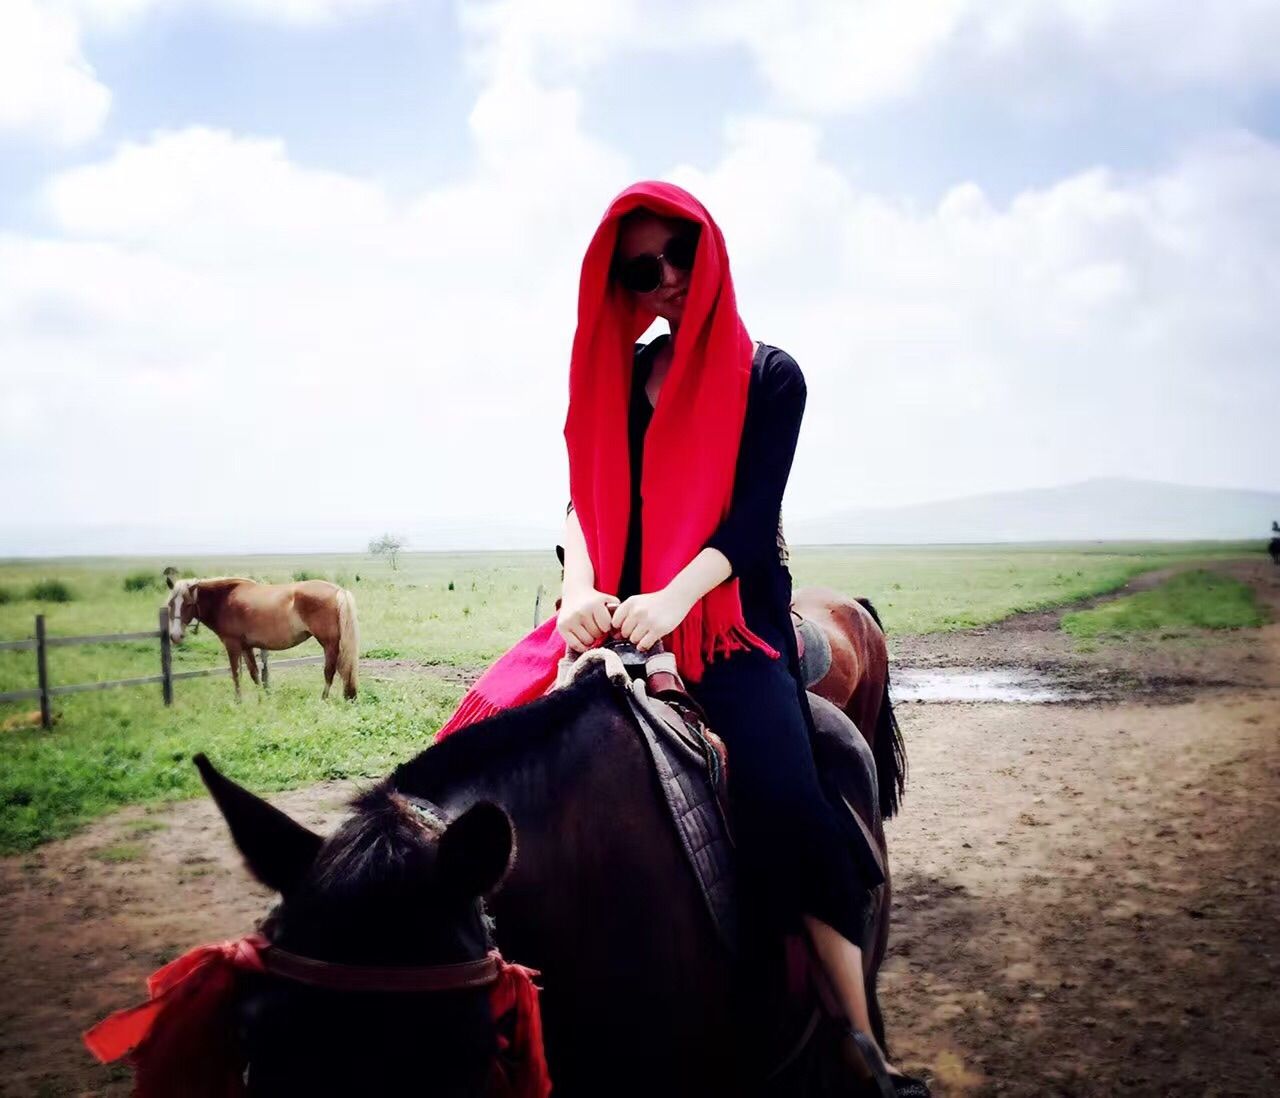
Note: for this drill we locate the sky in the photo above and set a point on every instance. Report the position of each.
(270, 266)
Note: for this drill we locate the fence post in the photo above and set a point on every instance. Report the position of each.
(537, 607)
(42, 670)
(266, 670)
(166, 658)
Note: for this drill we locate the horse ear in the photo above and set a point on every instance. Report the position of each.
(277, 849)
(169, 580)
(476, 850)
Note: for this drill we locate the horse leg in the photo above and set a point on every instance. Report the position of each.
(330, 665)
(233, 654)
(251, 662)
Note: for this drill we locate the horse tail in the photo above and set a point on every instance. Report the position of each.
(348, 642)
(890, 752)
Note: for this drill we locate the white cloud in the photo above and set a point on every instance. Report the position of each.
(47, 89)
(212, 301)
(833, 55)
(195, 189)
(296, 344)
(836, 56)
(283, 342)
(117, 13)
(1102, 325)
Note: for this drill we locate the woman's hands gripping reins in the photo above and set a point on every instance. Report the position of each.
(587, 615)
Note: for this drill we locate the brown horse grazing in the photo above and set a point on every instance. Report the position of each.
(247, 615)
(642, 994)
(858, 680)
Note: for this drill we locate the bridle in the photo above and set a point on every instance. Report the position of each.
(454, 976)
(457, 976)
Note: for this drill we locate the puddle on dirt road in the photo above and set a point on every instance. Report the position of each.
(981, 685)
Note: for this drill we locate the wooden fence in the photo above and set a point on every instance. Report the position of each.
(167, 677)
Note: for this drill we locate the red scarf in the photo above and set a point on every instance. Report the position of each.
(690, 452)
(182, 1039)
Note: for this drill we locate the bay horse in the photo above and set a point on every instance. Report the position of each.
(247, 615)
(642, 996)
(857, 682)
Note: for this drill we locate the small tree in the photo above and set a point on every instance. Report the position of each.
(388, 545)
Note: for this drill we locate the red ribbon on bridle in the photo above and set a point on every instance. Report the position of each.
(181, 1041)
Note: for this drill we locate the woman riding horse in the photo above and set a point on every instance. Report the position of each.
(679, 452)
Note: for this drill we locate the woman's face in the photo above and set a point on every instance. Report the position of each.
(649, 234)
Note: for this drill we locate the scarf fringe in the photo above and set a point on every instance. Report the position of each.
(738, 639)
(705, 635)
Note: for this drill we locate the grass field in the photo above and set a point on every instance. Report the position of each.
(460, 610)
(1190, 600)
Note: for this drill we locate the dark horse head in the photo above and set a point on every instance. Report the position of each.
(394, 886)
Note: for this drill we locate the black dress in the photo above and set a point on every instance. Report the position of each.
(795, 856)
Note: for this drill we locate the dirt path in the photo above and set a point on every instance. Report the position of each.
(1155, 666)
(1086, 894)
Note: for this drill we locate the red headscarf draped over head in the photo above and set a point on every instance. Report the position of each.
(691, 447)
(690, 451)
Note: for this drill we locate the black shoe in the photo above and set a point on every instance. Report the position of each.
(908, 1086)
(880, 1084)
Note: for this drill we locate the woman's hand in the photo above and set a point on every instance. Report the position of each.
(585, 618)
(646, 619)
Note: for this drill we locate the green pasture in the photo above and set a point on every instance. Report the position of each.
(124, 747)
(936, 588)
(456, 610)
(1189, 600)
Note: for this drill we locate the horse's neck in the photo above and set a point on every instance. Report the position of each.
(598, 867)
(212, 597)
(589, 821)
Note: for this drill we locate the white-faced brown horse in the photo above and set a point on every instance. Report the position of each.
(642, 995)
(247, 615)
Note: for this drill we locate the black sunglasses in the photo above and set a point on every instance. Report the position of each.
(642, 274)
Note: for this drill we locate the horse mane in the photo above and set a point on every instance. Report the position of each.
(480, 746)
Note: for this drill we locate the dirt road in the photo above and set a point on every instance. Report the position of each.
(1088, 894)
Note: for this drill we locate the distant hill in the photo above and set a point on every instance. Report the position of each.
(1091, 510)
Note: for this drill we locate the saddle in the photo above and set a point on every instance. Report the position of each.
(694, 767)
(814, 649)
(690, 761)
